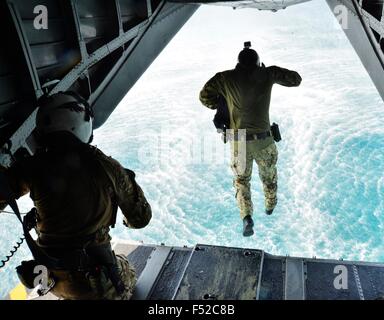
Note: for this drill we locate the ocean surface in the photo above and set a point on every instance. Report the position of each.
(331, 158)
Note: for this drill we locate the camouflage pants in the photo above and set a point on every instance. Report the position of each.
(81, 286)
(243, 155)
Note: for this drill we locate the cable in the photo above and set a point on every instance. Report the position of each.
(9, 212)
(11, 253)
(4, 211)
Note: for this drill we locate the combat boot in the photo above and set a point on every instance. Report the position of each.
(248, 226)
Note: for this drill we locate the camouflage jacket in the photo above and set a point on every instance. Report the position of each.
(76, 192)
(248, 94)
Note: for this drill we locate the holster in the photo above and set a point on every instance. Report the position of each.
(88, 259)
(276, 132)
(105, 256)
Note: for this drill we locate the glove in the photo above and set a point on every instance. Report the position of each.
(294, 78)
(130, 173)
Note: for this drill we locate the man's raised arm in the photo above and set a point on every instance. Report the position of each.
(209, 95)
(284, 77)
(129, 196)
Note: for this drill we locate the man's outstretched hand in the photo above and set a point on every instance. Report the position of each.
(294, 79)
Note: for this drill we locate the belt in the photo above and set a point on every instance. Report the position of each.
(47, 240)
(251, 137)
(82, 259)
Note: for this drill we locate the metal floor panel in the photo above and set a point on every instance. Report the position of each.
(151, 273)
(320, 282)
(272, 279)
(171, 274)
(372, 281)
(294, 284)
(218, 273)
(124, 248)
(139, 257)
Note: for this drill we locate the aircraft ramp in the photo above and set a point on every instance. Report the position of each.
(207, 272)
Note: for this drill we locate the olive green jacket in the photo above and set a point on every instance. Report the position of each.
(248, 94)
(76, 192)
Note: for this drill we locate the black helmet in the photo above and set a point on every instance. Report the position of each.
(248, 57)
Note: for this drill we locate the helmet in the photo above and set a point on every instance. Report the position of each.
(65, 112)
(248, 57)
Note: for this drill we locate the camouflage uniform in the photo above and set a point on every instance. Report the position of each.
(76, 190)
(266, 159)
(247, 92)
